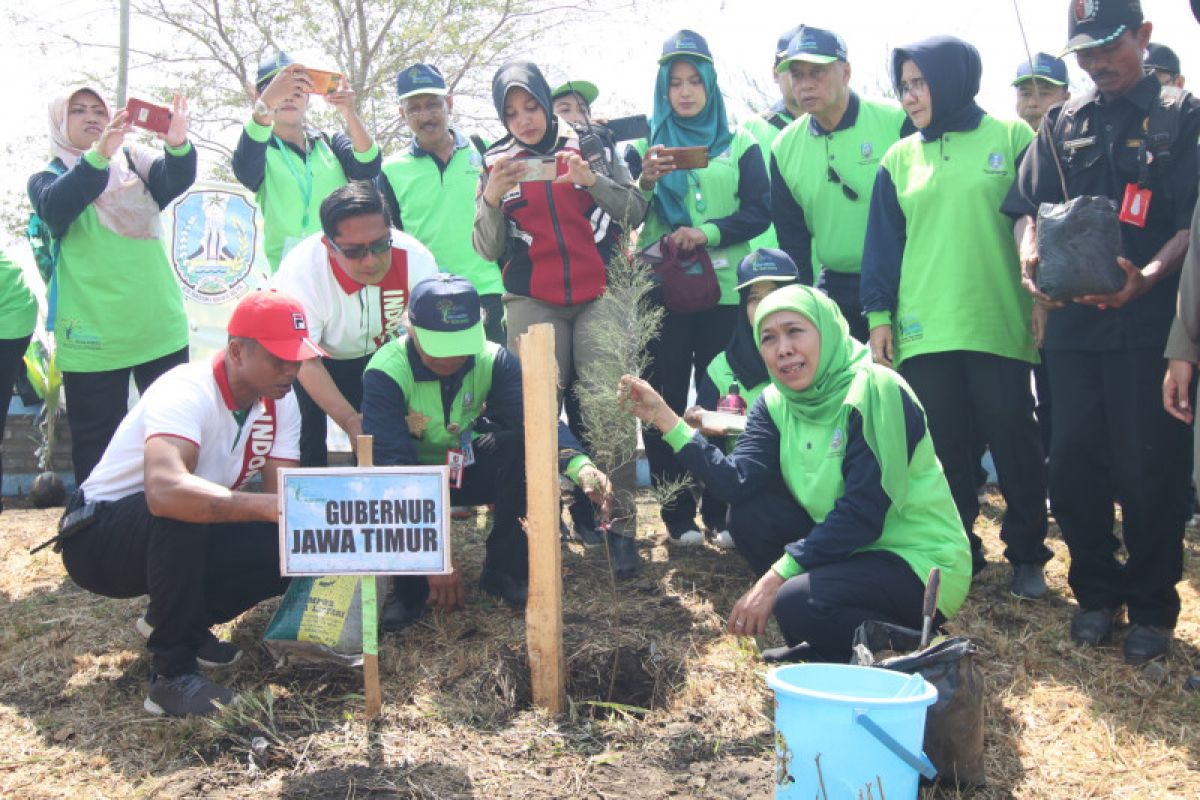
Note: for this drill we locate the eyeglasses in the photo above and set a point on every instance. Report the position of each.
(833, 177)
(427, 110)
(357, 252)
(917, 86)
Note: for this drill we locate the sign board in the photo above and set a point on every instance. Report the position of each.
(364, 521)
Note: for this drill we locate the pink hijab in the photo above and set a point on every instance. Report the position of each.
(126, 206)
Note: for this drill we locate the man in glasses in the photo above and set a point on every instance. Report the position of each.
(430, 187)
(353, 279)
(823, 168)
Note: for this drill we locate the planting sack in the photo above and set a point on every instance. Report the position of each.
(954, 724)
(320, 620)
(686, 281)
(1078, 242)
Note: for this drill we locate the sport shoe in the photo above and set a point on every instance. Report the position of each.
(689, 537)
(185, 695)
(513, 591)
(212, 653)
(1146, 643)
(724, 540)
(587, 535)
(1028, 582)
(1092, 627)
(397, 615)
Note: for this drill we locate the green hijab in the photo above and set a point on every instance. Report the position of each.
(845, 376)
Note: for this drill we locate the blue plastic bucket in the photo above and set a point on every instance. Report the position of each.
(847, 732)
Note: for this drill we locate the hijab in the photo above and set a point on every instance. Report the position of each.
(845, 376)
(952, 71)
(709, 128)
(126, 206)
(527, 76)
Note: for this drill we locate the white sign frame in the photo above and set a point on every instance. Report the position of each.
(291, 482)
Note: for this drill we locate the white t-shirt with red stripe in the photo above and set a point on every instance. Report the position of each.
(194, 402)
(346, 318)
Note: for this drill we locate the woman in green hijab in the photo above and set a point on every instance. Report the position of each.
(835, 494)
(719, 208)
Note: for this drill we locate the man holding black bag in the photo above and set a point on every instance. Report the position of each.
(1134, 142)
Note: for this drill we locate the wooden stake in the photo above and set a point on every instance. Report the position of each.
(365, 448)
(543, 613)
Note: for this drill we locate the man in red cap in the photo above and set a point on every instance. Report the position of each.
(165, 512)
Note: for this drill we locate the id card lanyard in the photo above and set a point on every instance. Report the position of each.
(304, 183)
(1135, 205)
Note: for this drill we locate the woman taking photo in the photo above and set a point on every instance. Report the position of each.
(719, 208)
(116, 307)
(549, 218)
(739, 367)
(941, 285)
(836, 496)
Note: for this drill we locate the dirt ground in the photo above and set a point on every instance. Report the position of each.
(663, 704)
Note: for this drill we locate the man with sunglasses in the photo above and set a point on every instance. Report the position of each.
(354, 280)
(823, 168)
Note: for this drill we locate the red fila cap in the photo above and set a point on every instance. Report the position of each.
(277, 322)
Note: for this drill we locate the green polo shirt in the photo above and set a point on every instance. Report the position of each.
(804, 153)
(765, 134)
(18, 306)
(437, 205)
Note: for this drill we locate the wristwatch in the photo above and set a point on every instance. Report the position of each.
(261, 109)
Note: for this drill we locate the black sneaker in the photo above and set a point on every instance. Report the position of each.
(1028, 582)
(1146, 643)
(1092, 627)
(587, 535)
(512, 591)
(397, 615)
(213, 653)
(185, 695)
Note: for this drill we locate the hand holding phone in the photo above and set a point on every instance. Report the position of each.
(687, 157)
(323, 81)
(148, 116)
(538, 169)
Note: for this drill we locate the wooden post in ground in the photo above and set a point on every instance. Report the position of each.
(365, 449)
(543, 614)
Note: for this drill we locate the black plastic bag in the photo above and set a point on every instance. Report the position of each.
(1078, 243)
(954, 723)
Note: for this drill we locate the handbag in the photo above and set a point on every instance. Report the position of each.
(686, 281)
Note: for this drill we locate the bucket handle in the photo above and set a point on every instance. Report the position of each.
(920, 763)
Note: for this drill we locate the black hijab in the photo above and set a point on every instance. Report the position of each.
(952, 70)
(526, 75)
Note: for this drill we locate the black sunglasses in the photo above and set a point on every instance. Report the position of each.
(833, 177)
(357, 252)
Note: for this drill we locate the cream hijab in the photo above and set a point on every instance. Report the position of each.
(126, 206)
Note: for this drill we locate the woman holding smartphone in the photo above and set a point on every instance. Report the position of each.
(116, 308)
(719, 207)
(549, 219)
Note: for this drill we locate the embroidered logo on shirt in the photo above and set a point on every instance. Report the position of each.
(995, 164)
(835, 443)
(866, 149)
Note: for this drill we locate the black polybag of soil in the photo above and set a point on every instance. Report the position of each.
(954, 723)
(1078, 244)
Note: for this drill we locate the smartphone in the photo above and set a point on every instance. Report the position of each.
(687, 157)
(538, 169)
(148, 116)
(627, 129)
(324, 82)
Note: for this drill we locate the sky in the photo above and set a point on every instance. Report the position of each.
(618, 50)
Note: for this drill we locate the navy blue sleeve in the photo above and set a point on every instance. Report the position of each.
(791, 228)
(60, 199)
(633, 160)
(707, 393)
(857, 518)
(389, 197)
(754, 201)
(171, 176)
(250, 161)
(884, 248)
(739, 475)
(384, 409)
(1007, 207)
(355, 170)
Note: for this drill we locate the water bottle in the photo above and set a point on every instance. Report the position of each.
(733, 402)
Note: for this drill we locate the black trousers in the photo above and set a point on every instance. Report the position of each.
(98, 401)
(497, 476)
(687, 341)
(825, 605)
(971, 397)
(1041, 385)
(1113, 442)
(493, 324)
(842, 289)
(347, 376)
(197, 575)
(11, 353)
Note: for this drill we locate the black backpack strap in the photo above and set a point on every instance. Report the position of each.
(477, 140)
(1162, 125)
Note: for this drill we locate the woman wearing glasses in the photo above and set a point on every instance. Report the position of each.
(941, 288)
(720, 207)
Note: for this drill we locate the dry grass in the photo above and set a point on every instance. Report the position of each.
(1062, 722)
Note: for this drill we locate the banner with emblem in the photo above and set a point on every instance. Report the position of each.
(214, 243)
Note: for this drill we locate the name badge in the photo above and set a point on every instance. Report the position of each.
(1136, 205)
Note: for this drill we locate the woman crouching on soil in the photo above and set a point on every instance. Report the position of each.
(835, 494)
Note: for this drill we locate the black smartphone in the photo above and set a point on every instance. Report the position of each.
(627, 129)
